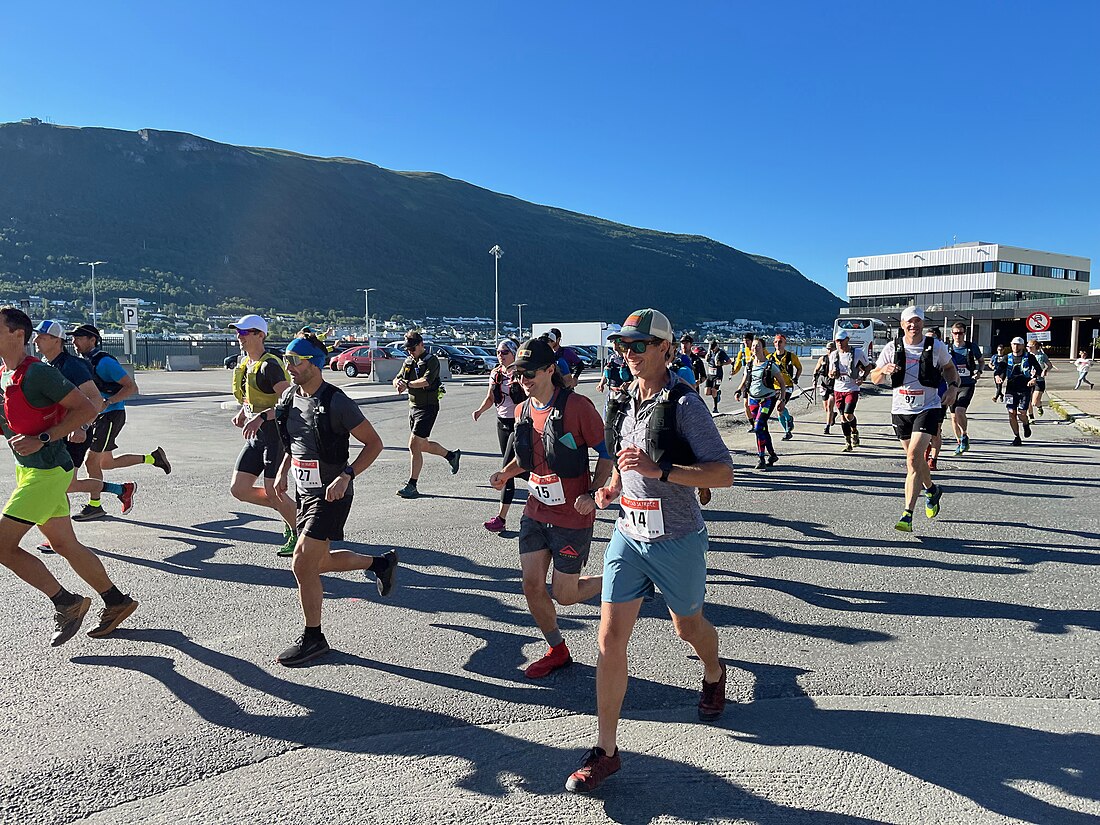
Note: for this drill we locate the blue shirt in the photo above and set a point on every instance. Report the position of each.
(961, 356)
(110, 370)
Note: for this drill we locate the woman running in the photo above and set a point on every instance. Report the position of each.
(504, 393)
(764, 383)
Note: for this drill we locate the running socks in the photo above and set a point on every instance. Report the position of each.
(450, 455)
(554, 639)
(313, 633)
(379, 565)
(112, 488)
(149, 459)
(63, 598)
(94, 502)
(113, 597)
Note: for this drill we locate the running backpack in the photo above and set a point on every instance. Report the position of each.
(562, 459)
(104, 386)
(23, 417)
(332, 447)
(928, 374)
(662, 441)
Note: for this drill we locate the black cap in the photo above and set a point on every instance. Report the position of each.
(688, 338)
(86, 331)
(535, 354)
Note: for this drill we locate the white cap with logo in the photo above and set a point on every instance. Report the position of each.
(251, 322)
(912, 312)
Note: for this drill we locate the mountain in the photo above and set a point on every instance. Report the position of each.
(183, 219)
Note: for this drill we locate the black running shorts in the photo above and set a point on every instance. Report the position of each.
(263, 453)
(928, 421)
(568, 546)
(104, 431)
(320, 519)
(963, 398)
(77, 451)
(421, 420)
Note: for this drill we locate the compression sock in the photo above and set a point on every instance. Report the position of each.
(93, 502)
(112, 488)
(554, 639)
(149, 459)
(113, 598)
(63, 598)
(846, 428)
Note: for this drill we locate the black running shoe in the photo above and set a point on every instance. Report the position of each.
(761, 464)
(409, 491)
(772, 459)
(161, 460)
(1016, 442)
(90, 513)
(67, 621)
(303, 651)
(1027, 429)
(386, 580)
(456, 456)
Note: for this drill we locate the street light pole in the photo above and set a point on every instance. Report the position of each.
(366, 308)
(496, 252)
(93, 265)
(520, 307)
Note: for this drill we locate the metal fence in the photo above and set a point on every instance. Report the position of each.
(152, 353)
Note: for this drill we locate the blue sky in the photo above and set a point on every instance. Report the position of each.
(809, 132)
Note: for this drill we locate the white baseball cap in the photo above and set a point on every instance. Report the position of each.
(1018, 340)
(912, 312)
(842, 335)
(251, 322)
(53, 328)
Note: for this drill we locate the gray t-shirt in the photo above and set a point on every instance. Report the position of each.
(679, 508)
(345, 416)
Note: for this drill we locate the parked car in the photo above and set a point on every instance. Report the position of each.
(358, 360)
(480, 352)
(459, 362)
(231, 361)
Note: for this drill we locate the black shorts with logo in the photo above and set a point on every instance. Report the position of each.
(568, 546)
(104, 431)
(928, 421)
(963, 398)
(263, 453)
(421, 420)
(320, 519)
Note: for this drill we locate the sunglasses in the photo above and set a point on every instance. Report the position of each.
(636, 347)
(296, 360)
(530, 374)
(241, 333)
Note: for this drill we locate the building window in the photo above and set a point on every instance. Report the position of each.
(1071, 274)
(987, 266)
(1023, 269)
(1057, 272)
(1006, 266)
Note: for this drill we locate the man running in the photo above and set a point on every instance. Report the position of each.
(687, 343)
(315, 421)
(259, 381)
(916, 364)
(41, 408)
(792, 368)
(1017, 373)
(994, 362)
(116, 386)
(419, 377)
(827, 383)
(1045, 366)
(848, 367)
(716, 359)
(970, 365)
(743, 359)
(555, 429)
(666, 445)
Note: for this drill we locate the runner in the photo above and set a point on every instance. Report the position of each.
(716, 359)
(848, 367)
(41, 408)
(935, 445)
(682, 370)
(1016, 374)
(49, 340)
(826, 382)
(504, 393)
(616, 375)
(792, 368)
(315, 421)
(1082, 364)
(555, 429)
(1045, 366)
(666, 444)
(419, 376)
(994, 362)
(259, 381)
(764, 386)
(570, 363)
(743, 359)
(685, 353)
(970, 365)
(916, 365)
(116, 386)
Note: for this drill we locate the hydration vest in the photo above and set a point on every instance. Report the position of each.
(1014, 365)
(332, 447)
(785, 361)
(563, 460)
(105, 387)
(22, 416)
(928, 374)
(246, 387)
(971, 359)
(662, 441)
(496, 386)
(834, 362)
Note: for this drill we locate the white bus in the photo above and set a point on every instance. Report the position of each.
(869, 333)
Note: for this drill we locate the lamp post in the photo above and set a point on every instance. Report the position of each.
(93, 265)
(496, 252)
(366, 308)
(520, 307)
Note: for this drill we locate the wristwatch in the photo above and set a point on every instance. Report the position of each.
(350, 471)
(44, 437)
(666, 468)
(954, 384)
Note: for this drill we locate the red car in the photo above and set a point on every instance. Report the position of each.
(357, 360)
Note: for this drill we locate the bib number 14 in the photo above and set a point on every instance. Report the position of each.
(644, 516)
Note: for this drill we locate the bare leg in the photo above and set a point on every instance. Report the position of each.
(918, 477)
(534, 567)
(701, 635)
(572, 588)
(416, 455)
(616, 625)
(85, 563)
(309, 555)
(27, 567)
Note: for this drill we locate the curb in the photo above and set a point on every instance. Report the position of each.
(1084, 422)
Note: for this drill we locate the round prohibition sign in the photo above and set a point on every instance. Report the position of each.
(1038, 322)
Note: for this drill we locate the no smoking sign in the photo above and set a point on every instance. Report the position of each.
(1038, 322)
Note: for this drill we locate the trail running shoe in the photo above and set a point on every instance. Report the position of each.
(1016, 442)
(772, 459)
(761, 464)
(713, 699)
(90, 513)
(304, 650)
(161, 460)
(597, 766)
(554, 658)
(1027, 428)
(905, 523)
(386, 580)
(787, 436)
(1039, 411)
(965, 443)
(959, 450)
(129, 489)
(826, 430)
(44, 548)
(290, 541)
(494, 525)
(848, 446)
(855, 438)
(456, 456)
(68, 620)
(112, 617)
(932, 501)
(409, 491)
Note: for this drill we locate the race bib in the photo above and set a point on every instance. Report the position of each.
(547, 489)
(963, 372)
(1010, 400)
(644, 516)
(712, 370)
(912, 399)
(307, 474)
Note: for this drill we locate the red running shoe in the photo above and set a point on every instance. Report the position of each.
(597, 766)
(713, 700)
(555, 658)
(127, 496)
(494, 525)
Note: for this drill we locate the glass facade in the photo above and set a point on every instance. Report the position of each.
(1008, 267)
(982, 299)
